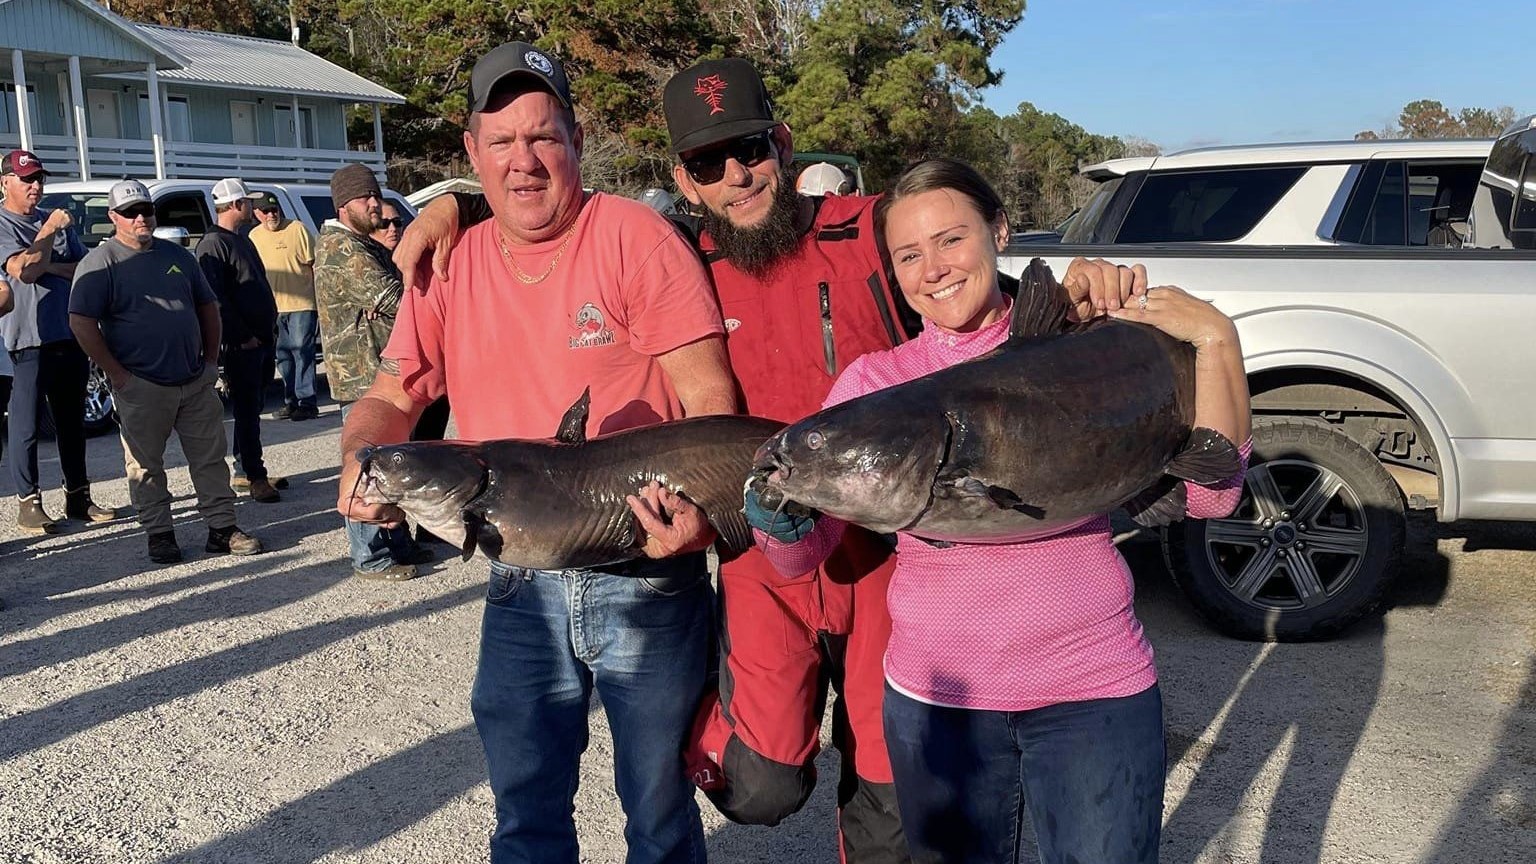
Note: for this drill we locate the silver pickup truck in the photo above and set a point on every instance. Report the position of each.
(1384, 292)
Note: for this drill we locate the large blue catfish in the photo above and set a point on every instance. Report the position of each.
(1060, 423)
(557, 503)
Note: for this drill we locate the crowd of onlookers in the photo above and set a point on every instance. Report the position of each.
(163, 322)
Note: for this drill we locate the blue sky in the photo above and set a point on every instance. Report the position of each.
(1186, 73)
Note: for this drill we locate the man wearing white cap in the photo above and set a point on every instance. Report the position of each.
(823, 178)
(142, 310)
(248, 311)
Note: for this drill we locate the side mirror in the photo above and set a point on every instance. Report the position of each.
(174, 233)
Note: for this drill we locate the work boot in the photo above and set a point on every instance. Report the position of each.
(304, 412)
(163, 548)
(231, 541)
(392, 573)
(78, 505)
(283, 413)
(261, 490)
(32, 519)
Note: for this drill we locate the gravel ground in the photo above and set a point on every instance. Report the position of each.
(275, 710)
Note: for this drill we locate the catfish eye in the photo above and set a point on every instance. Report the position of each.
(815, 440)
(397, 460)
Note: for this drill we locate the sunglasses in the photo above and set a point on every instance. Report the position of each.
(138, 210)
(396, 222)
(709, 167)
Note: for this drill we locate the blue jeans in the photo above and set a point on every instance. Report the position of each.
(296, 356)
(376, 547)
(1088, 775)
(548, 638)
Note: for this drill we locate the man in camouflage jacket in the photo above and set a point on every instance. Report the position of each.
(357, 290)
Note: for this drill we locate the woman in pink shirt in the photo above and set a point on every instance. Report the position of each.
(1019, 683)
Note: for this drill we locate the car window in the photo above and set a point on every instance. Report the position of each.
(183, 210)
(1416, 204)
(1086, 221)
(320, 208)
(89, 212)
(1205, 206)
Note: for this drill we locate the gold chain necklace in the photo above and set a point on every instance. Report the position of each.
(506, 254)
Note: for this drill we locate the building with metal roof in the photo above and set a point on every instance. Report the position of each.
(92, 93)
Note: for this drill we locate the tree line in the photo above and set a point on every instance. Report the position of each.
(887, 81)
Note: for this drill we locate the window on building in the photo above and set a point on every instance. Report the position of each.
(177, 119)
(10, 121)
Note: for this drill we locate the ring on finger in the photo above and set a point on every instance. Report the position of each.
(1141, 301)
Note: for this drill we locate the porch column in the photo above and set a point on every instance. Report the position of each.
(378, 131)
(156, 132)
(298, 140)
(77, 99)
(23, 109)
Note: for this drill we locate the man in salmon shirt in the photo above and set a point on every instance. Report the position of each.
(559, 291)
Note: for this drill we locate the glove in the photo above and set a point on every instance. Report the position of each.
(781, 526)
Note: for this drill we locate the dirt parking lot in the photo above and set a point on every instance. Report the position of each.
(274, 710)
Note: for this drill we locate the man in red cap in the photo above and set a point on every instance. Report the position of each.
(40, 249)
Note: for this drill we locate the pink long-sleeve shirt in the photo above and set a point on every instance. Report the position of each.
(1001, 627)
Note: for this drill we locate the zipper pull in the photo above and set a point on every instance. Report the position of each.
(828, 346)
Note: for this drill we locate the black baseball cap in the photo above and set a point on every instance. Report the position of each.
(715, 101)
(516, 58)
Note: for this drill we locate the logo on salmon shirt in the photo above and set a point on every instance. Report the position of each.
(591, 328)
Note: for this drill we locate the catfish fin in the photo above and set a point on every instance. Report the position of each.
(573, 426)
(1161, 503)
(1042, 305)
(1005, 499)
(1208, 457)
(472, 523)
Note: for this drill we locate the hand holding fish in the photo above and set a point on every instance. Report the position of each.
(673, 525)
(352, 504)
(1097, 287)
(1189, 319)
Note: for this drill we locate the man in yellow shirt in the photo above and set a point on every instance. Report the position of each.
(288, 252)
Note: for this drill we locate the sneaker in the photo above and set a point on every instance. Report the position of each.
(78, 505)
(304, 412)
(283, 413)
(163, 548)
(392, 573)
(263, 491)
(31, 518)
(231, 541)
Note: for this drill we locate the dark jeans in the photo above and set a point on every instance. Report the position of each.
(248, 372)
(296, 356)
(56, 372)
(547, 641)
(1088, 776)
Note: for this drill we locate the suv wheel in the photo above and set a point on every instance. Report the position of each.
(1312, 547)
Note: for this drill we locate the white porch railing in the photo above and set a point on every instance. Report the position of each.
(113, 158)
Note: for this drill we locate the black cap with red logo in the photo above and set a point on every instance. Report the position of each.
(715, 101)
(22, 163)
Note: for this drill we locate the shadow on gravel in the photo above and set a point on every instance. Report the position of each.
(358, 810)
(1496, 819)
(31, 730)
(1237, 712)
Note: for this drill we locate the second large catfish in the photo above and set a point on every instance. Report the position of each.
(1058, 424)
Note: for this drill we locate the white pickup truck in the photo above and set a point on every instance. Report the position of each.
(1384, 293)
